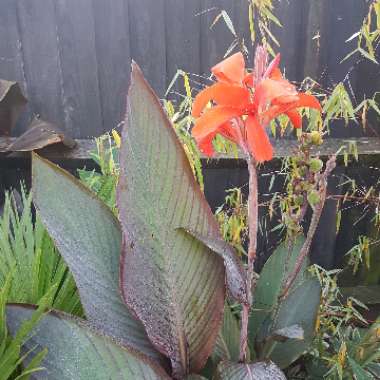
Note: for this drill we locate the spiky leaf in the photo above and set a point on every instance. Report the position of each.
(77, 351)
(88, 237)
(174, 283)
(257, 371)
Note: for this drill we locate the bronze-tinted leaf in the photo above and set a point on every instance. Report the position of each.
(173, 283)
(40, 134)
(77, 350)
(12, 103)
(235, 274)
(255, 371)
(88, 237)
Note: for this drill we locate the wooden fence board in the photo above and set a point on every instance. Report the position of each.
(11, 54)
(38, 31)
(81, 98)
(147, 40)
(183, 38)
(113, 58)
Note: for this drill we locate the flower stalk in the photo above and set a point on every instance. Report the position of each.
(253, 216)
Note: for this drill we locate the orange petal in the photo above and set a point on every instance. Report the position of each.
(258, 141)
(212, 119)
(276, 74)
(302, 101)
(295, 118)
(249, 80)
(228, 131)
(260, 62)
(206, 146)
(223, 94)
(273, 67)
(231, 70)
(270, 89)
(281, 105)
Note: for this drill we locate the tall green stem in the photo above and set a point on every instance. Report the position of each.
(253, 216)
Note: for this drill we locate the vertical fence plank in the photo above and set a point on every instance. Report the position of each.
(240, 19)
(183, 37)
(41, 59)
(81, 99)
(147, 40)
(291, 36)
(215, 41)
(113, 57)
(11, 54)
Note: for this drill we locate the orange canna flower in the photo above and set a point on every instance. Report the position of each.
(245, 103)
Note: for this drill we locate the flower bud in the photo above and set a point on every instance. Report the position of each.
(315, 165)
(315, 138)
(313, 198)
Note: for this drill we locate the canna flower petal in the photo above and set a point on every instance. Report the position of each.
(212, 119)
(231, 70)
(249, 80)
(295, 118)
(223, 94)
(258, 141)
(302, 101)
(283, 105)
(260, 63)
(270, 89)
(205, 145)
(276, 74)
(272, 69)
(226, 130)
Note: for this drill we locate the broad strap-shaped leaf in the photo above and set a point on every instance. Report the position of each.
(88, 236)
(174, 283)
(227, 346)
(270, 282)
(299, 308)
(256, 371)
(235, 274)
(78, 351)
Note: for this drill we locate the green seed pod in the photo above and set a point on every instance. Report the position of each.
(315, 165)
(316, 138)
(298, 200)
(313, 198)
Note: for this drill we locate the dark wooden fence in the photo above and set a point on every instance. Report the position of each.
(72, 59)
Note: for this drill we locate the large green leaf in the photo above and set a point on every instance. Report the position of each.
(77, 351)
(89, 238)
(269, 285)
(256, 371)
(235, 273)
(299, 308)
(174, 283)
(227, 345)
